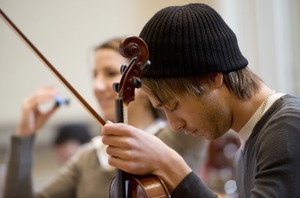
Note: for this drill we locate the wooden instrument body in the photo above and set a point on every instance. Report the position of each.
(143, 186)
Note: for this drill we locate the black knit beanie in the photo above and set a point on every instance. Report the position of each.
(190, 40)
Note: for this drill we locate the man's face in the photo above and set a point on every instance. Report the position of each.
(206, 115)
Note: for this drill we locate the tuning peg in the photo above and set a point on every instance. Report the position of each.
(116, 87)
(123, 68)
(146, 65)
(137, 82)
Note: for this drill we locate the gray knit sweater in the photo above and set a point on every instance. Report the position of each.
(269, 165)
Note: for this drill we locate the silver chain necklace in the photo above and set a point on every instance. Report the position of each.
(263, 107)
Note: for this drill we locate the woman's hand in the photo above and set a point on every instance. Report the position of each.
(137, 152)
(32, 118)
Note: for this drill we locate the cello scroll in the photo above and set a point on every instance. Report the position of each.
(135, 48)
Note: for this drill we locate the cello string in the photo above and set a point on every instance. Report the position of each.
(93, 113)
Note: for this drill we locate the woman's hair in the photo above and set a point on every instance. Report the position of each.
(113, 44)
(242, 83)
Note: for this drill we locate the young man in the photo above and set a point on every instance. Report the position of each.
(200, 79)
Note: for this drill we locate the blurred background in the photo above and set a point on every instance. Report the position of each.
(66, 31)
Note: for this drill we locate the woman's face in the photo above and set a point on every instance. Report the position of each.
(106, 72)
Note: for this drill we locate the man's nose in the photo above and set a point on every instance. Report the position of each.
(175, 122)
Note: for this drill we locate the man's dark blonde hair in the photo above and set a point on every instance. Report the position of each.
(242, 83)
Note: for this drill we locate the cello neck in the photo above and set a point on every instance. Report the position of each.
(121, 175)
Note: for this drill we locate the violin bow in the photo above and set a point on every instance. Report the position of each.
(82, 101)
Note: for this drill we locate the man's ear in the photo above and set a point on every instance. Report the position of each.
(217, 79)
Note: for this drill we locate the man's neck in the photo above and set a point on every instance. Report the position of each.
(244, 109)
